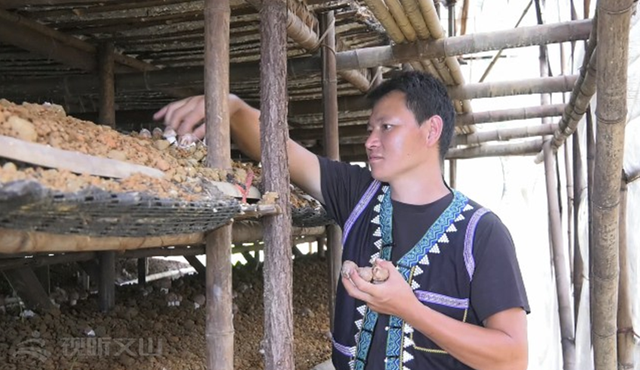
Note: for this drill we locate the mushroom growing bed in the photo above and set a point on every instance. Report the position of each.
(189, 197)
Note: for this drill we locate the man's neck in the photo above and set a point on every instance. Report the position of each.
(424, 188)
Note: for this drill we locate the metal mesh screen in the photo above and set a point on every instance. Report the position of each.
(95, 212)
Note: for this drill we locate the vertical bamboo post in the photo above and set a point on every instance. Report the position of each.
(453, 169)
(452, 20)
(579, 186)
(107, 116)
(560, 262)
(612, 55)
(107, 112)
(219, 315)
(568, 167)
(106, 283)
(142, 270)
(331, 143)
(277, 229)
(625, 318)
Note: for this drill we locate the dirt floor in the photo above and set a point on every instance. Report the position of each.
(144, 333)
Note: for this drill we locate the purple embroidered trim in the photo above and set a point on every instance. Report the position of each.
(362, 204)
(468, 241)
(350, 352)
(442, 300)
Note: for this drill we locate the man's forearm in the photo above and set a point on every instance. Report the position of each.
(479, 347)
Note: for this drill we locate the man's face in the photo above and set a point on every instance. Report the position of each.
(396, 145)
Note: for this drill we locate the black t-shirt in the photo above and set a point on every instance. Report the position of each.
(497, 283)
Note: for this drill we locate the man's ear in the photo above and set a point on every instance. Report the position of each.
(434, 126)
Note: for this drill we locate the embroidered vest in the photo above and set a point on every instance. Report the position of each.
(448, 242)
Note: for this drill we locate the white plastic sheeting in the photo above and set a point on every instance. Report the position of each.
(514, 188)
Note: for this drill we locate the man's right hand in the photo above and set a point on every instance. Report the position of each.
(184, 116)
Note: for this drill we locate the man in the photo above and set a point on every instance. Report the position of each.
(454, 298)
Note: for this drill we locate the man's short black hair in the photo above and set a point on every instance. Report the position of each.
(425, 96)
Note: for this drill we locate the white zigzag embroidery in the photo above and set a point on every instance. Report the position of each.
(407, 329)
(352, 364)
(380, 197)
(407, 342)
(468, 207)
(362, 309)
(376, 220)
(414, 285)
(424, 260)
(406, 356)
(378, 243)
(405, 368)
(417, 271)
(452, 228)
(435, 249)
(377, 233)
(359, 324)
(385, 188)
(374, 257)
(460, 217)
(443, 239)
(377, 208)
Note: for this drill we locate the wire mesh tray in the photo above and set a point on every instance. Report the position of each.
(310, 217)
(27, 205)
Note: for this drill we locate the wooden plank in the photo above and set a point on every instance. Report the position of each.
(46, 156)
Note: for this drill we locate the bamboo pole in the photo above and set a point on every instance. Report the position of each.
(506, 88)
(332, 146)
(569, 179)
(626, 333)
(381, 12)
(219, 332)
(510, 114)
(495, 150)
(277, 236)
(579, 186)
(107, 111)
(460, 45)
(560, 262)
(612, 52)
(581, 95)
(505, 134)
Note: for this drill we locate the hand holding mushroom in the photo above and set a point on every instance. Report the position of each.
(374, 274)
(381, 287)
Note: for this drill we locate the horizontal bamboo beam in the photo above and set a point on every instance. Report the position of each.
(461, 45)
(542, 85)
(30, 242)
(20, 241)
(505, 134)
(510, 114)
(529, 147)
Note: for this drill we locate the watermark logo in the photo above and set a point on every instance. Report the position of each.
(111, 347)
(33, 348)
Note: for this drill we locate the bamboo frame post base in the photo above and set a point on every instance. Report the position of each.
(143, 268)
(106, 283)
